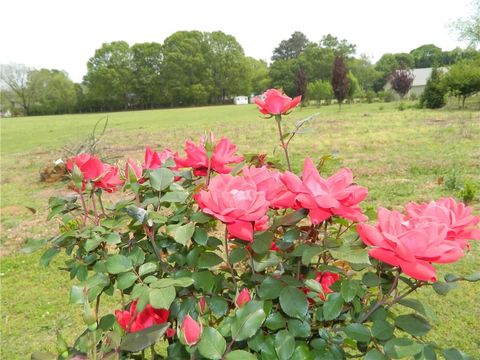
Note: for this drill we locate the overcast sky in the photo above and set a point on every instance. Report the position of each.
(63, 34)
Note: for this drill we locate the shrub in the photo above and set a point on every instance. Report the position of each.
(433, 96)
(224, 260)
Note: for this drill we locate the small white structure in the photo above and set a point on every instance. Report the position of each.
(251, 98)
(240, 100)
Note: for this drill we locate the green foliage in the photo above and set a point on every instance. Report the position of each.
(463, 79)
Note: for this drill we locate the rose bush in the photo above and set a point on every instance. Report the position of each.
(210, 258)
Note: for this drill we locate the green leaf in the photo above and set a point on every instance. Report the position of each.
(399, 348)
(442, 288)
(309, 253)
(212, 345)
(248, 320)
(117, 264)
(162, 298)
(240, 355)
(419, 307)
(139, 340)
(107, 322)
(147, 268)
(167, 282)
(374, 354)
(293, 302)
(77, 294)
(217, 305)
(203, 280)
(382, 329)
(472, 277)
(208, 260)
(262, 242)
(349, 289)
(289, 219)
(275, 321)
(126, 280)
(137, 256)
(332, 306)
(113, 239)
(371, 279)
(137, 213)
(452, 277)
(454, 354)
(161, 178)
(174, 197)
(302, 352)
(270, 259)
(32, 245)
(238, 254)
(184, 233)
(299, 328)
(200, 236)
(352, 253)
(270, 288)
(413, 324)
(284, 345)
(48, 256)
(358, 332)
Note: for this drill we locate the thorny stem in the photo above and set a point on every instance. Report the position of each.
(227, 261)
(381, 302)
(85, 210)
(101, 205)
(278, 118)
(400, 297)
(94, 206)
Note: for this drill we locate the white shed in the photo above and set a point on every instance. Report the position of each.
(240, 100)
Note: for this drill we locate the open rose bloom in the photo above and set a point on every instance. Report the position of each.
(276, 103)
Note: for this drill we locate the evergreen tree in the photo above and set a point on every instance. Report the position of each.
(340, 80)
(433, 96)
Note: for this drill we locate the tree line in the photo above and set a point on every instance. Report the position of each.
(201, 68)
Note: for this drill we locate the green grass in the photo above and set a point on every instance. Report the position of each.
(399, 155)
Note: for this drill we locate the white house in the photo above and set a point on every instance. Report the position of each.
(240, 100)
(420, 79)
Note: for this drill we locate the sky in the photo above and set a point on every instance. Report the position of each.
(63, 34)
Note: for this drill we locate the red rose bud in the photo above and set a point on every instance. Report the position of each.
(242, 298)
(190, 331)
(202, 305)
(170, 332)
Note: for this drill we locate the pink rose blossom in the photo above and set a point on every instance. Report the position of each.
(242, 298)
(139, 321)
(110, 180)
(337, 195)
(276, 103)
(190, 331)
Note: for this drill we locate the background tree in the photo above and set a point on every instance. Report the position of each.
(301, 82)
(109, 76)
(282, 73)
(469, 29)
(146, 70)
(15, 77)
(433, 97)
(258, 75)
(54, 94)
(320, 91)
(340, 81)
(339, 47)
(463, 79)
(426, 56)
(291, 48)
(390, 62)
(354, 90)
(401, 81)
(364, 71)
(316, 62)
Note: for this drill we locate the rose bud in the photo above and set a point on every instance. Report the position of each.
(202, 305)
(242, 298)
(190, 331)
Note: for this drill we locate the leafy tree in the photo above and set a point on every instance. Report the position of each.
(109, 76)
(186, 63)
(426, 56)
(228, 66)
(55, 92)
(354, 89)
(469, 29)
(401, 81)
(316, 62)
(302, 82)
(282, 73)
(339, 47)
(15, 77)
(258, 75)
(320, 91)
(291, 48)
(463, 79)
(433, 97)
(390, 62)
(364, 72)
(146, 73)
(340, 80)
(458, 54)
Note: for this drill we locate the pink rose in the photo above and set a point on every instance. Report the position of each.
(325, 279)
(276, 103)
(242, 298)
(271, 184)
(110, 180)
(197, 158)
(337, 195)
(190, 331)
(413, 246)
(90, 166)
(236, 202)
(461, 224)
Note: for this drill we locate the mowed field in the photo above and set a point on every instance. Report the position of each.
(399, 155)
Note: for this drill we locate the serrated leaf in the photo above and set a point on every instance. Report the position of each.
(454, 354)
(399, 348)
(248, 320)
(161, 178)
(184, 233)
(413, 324)
(208, 260)
(262, 242)
(442, 288)
(419, 307)
(358, 332)
(332, 306)
(126, 280)
(270, 288)
(374, 354)
(238, 254)
(382, 329)
(174, 197)
(472, 277)
(162, 298)
(240, 355)
(167, 282)
(147, 268)
(139, 340)
(284, 345)
(293, 302)
(349, 289)
(48, 256)
(212, 344)
(117, 264)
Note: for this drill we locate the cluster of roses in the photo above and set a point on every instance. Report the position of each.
(435, 232)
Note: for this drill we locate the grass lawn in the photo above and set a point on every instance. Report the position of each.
(399, 155)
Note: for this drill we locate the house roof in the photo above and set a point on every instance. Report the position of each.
(421, 76)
